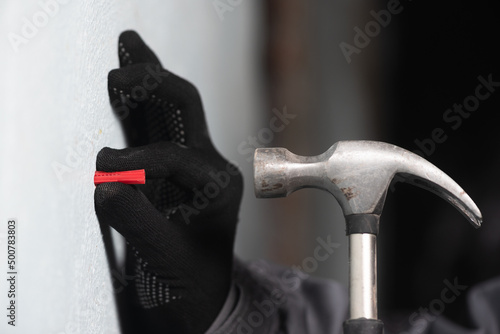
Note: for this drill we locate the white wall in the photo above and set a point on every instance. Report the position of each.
(54, 110)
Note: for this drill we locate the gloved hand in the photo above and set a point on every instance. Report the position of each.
(180, 226)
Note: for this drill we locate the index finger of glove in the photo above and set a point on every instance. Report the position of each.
(158, 105)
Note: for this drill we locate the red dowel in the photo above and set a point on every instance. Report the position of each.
(127, 177)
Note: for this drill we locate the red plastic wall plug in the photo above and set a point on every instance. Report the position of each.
(127, 177)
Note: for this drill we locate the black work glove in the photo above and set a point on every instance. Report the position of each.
(180, 226)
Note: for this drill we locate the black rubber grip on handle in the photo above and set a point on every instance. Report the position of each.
(363, 326)
(362, 223)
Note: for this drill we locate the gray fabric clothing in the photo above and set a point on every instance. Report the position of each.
(270, 299)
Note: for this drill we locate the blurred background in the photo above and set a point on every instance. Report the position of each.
(393, 71)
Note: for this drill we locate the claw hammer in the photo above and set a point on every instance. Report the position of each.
(358, 175)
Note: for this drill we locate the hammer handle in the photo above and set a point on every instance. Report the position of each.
(363, 326)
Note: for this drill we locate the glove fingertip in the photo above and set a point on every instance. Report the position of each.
(104, 159)
(128, 35)
(133, 50)
(106, 196)
(118, 78)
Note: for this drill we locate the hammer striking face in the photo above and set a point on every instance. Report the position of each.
(358, 174)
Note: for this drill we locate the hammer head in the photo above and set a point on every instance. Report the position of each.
(358, 174)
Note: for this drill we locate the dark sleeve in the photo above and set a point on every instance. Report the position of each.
(484, 309)
(270, 299)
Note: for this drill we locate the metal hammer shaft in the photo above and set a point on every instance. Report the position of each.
(363, 276)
